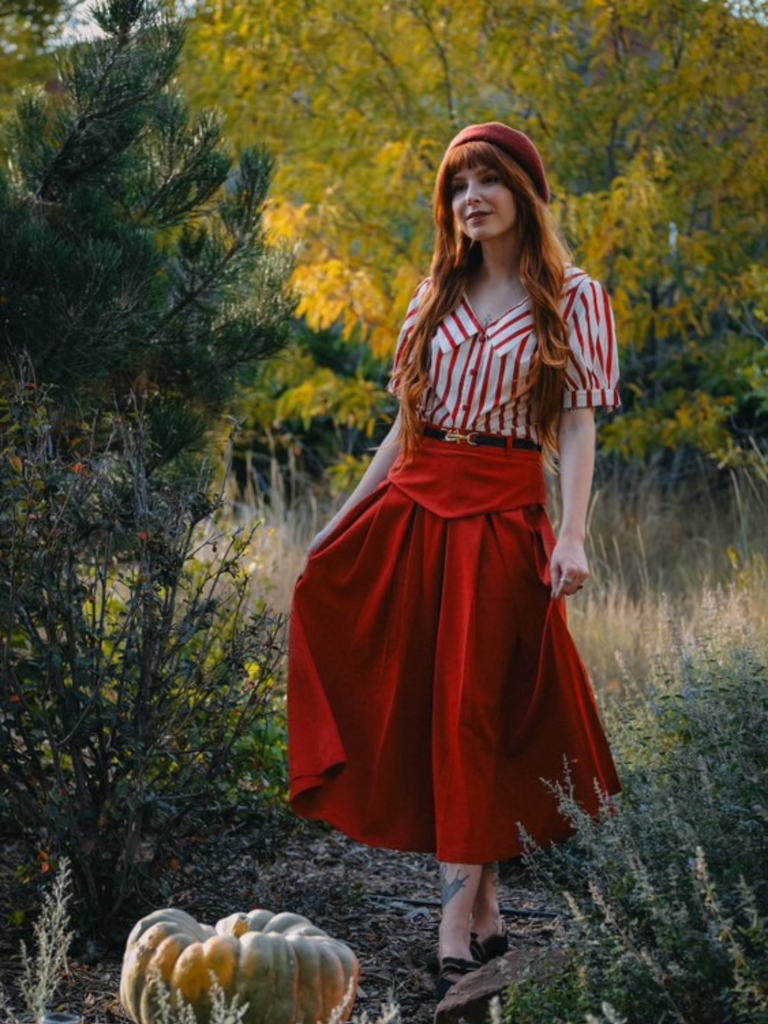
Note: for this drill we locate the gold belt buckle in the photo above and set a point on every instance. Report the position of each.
(456, 437)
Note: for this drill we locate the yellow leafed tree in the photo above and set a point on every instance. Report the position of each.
(649, 118)
(27, 33)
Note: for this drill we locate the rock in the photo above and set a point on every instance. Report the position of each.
(469, 999)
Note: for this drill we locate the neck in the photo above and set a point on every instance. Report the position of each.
(501, 261)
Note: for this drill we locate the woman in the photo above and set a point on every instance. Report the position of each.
(435, 694)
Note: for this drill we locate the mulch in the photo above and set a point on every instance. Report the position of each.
(382, 903)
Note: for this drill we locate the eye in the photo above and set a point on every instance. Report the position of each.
(458, 186)
(491, 179)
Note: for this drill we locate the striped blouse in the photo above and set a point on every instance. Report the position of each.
(476, 373)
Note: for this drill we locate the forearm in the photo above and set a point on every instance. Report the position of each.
(576, 438)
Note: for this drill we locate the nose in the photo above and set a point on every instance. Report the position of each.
(472, 193)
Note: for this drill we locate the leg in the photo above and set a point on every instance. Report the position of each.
(486, 916)
(459, 885)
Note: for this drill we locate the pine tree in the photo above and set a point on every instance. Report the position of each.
(134, 265)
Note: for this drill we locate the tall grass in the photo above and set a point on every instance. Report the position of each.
(652, 557)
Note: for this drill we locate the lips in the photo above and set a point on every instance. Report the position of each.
(476, 216)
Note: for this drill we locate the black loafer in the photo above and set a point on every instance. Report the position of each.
(452, 969)
(491, 948)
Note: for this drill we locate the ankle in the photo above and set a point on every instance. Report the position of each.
(454, 940)
(487, 922)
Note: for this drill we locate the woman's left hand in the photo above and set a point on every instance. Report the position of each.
(569, 568)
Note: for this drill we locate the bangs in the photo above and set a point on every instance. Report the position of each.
(472, 154)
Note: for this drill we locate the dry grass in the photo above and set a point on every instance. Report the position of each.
(656, 563)
(655, 560)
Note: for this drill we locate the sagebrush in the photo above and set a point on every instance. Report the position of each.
(666, 897)
(43, 970)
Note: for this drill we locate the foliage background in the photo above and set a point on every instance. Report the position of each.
(650, 119)
(649, 116)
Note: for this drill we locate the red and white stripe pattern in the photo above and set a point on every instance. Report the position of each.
(476, 373)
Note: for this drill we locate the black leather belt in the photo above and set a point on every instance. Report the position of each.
(473, 438)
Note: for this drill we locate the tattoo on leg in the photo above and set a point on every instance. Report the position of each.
(448, 889)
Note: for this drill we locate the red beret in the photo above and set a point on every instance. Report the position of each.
(513, 142)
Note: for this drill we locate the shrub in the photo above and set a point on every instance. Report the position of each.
(42, 973)
(667, 893)
(133, 671)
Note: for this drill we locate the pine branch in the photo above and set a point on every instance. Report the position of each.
(107, 80)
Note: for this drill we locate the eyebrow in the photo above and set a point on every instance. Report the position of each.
(480, 169)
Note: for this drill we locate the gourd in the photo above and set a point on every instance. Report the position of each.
(281, 965)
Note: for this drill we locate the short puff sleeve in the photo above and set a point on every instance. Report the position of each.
(592, 374)
(411, 317)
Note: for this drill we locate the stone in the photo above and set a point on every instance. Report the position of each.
(468, 1001)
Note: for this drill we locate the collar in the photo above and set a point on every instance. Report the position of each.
(503, 334)
(461, 324)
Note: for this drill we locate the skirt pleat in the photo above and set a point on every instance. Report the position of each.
(435, 694)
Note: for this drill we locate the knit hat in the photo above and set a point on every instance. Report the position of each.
(513, 142)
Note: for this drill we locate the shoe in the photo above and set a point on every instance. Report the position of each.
(492, 947)
(452, 969)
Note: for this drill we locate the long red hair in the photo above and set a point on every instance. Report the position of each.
(543, 257)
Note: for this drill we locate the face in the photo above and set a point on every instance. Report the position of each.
(482, 204)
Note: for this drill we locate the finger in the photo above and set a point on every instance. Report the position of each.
(560, 575)
(555, 575)
(559, 590)
(576, 585)
(569, 583)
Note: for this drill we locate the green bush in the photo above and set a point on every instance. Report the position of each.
(135, 669)
(666, 895)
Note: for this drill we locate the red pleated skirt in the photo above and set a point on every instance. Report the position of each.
(434, 691)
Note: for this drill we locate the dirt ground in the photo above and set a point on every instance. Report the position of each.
(382, 903)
